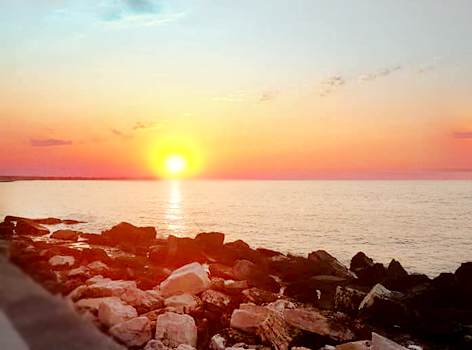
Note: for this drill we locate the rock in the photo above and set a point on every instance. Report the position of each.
(348, 299)
(275, 331)
(396, 270)
(155, 345)
(248, 317)
(114, 311)
(357, 345)
(174, 329)
(6, 229)
(108, 288)
(382, 343)
(96, 279)
(47, 221)
(183, 303)
(185, 347)
(360, 261)
(28, 227)
(217, 342)
(234, 287)
(371, 275)
(247, 270)
(268, 252)
(216, 301)
(258, 296)
(210, 240)
(142, 301)
(62, 261)
(77, 293)
(80, 272)
(159, 253)
(135, 332)
(291, 268)
(183, 251)
(220, 270)
(234, 336)
(312, 320)
(125, 233)
(191, 278)
(67, 235)
(91, 304)
(99, 268)
(329, 265)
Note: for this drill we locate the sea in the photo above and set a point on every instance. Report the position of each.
(426, 225)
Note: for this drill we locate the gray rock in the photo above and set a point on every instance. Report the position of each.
(134, 332)
(184, 303)
(114, 311)
(248, 317)
(174, 329)
(381, 343)
(62, 261)
(155, 345)
(191, 278)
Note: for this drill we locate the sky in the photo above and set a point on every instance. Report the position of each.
(261, 89)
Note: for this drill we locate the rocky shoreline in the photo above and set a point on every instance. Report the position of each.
(154, 293)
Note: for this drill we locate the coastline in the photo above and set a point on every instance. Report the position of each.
(370, 296)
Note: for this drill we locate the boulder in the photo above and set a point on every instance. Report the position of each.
(182, 251)
(371, 275)
(48, 221)
(155, 345)
(80, 272)
(7, 229)
(275, 331)
(357, 345)
(133, 333)
(28, 227)
(125, 233)
(258, 296)
(216, 301)
(174, 329)
(291, 268)
(248, 317)
(360, 261)
(62, 261)
(114, 311)
(91, 304)
(328, 265)
(77, 293)
(191, 278)
(348, 299)
(142, 301)
(217, 342)
(220, 270)
(210, 240)
(382, 343)
(396, 270)
(99, 268)
(108, 288)
(159, 253)
(95, 279)
(234, 287)
(183, 303)
(247, 270)
(67, 235)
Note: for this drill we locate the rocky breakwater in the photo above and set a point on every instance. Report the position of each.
(201, 293)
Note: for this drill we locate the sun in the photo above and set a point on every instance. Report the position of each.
(175, 164)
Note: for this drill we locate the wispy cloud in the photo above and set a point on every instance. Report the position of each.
(423, 69)
(144, 126)
(119, 133)
(331, 84)
(362, 79)
(268, 96)
(49, 142)
(462, 134)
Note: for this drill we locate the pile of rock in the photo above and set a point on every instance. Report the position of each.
(184, 293)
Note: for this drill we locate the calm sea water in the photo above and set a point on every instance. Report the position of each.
(426, 225)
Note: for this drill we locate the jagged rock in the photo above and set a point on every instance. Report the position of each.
(291, 268)
(80, 272)
(108, 288)
(234, 287)
(360, 261)
(216, 301)
(210, 240)
(96, 279)
(371, 275)
(135, 332)
(191, 278)
(220, 270)
(258, 296)
(183, 303)
(77, 293)
(142, 301)
(6, 229)
(62, 261)
(348, 299)
(217, 342)
(329, 265)
(67, 235)
(155, 345)
(357, 345)
(125, 233)
(247, 270)
(174, 329)
(114, 311)
(396, 270)
(312, 320)
(276, 331)
(29, 227)
(158, 253)
(382, 343)
(99, 268)
(183, 250)
(248, 317)
(91, 304)
(185, 347)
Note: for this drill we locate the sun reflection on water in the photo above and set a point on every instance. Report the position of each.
(174, 215)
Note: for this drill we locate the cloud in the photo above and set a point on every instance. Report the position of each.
(145, 126)
(268, 96)
(49, 142)
(362, 79)
(462, 134)
(424, 69)
(119, 133)
(331, 84)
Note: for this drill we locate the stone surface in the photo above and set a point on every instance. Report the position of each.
(360, 261)
(191, 278)
(216, 301)
(234, 287)
(62, 261)
(142, 301)
(220, 270)
(114, 311)
(348, 299)
(210, 240)
(258, 296)
(135, 332)
(381, 343)
(29, 227)
(67, 235)
(329, 265)
(357, 345)
(80, 272)
(99, 268)
(276, 331)
(249, 271)
(127, 233)
(91, 304)
(248, 317)
(217, 342)
(155, 345)
(174, 329)
(108, 288)
(183, 303)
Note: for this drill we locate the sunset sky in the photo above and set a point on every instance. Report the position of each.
(239, 89)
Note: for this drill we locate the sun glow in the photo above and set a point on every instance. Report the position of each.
(175, 164)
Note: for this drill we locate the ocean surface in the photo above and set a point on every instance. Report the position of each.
(426, 225)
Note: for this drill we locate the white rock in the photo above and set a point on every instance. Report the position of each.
(114, 311)
(96, 279)
(185, 347)
(109, 288)
(382, 343)
(191, 278)
(183, 303)
(91, 304)
(155, 345)
(99, 268)
(77, 293)
(379, 292)
(60, 260)
(141, 300)
(217, 342)
(174, 329)
(248, 317)
(135, 332)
